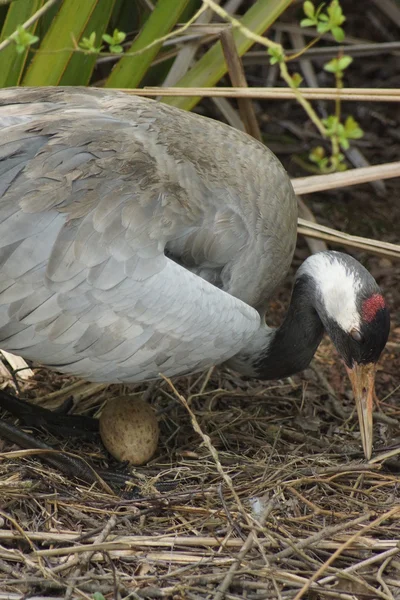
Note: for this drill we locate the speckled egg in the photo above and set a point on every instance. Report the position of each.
(129, 429)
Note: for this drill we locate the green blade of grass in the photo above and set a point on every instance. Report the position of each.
(211, 67)
(80, 65)
(51, 60)
(130, 70)
(12, 63)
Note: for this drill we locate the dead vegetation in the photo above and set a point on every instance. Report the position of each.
(269, 498)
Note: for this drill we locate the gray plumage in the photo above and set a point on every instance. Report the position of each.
(135, 238)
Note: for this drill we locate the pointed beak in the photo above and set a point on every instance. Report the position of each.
(362, 378)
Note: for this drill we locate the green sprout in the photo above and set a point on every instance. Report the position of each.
(89, 44)
(338, 65)
(296, 80)
(319, 158)
(23, 39)
(329, 21)
(115, 41)
(277, 54)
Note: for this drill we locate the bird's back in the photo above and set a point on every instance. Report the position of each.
(115, 213)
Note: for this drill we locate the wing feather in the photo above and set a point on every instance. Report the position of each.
(89, 203)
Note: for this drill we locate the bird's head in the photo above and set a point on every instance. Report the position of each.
(354, 314)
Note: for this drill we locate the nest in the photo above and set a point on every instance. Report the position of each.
(258, 491)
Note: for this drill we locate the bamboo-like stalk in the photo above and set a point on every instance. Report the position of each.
(238, 78)
(321, 232)
(277, 93)
(319, 183)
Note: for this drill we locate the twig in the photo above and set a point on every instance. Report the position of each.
(388, 554)
(238, 79)
(318, 183)
(326, 532)
(374, 49)
(338, 552)
(247, 546)
(315, 245)
(85, 558)
(379, 577)
(207, 442)
(187, 53)
(344, 239)
(276, 93)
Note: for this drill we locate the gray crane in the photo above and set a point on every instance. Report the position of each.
(138, 239)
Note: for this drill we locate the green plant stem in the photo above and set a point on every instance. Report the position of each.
(339, 85)
(335, 138)
(283, 68)
(221, 12)
(301, 100)
(303, 50)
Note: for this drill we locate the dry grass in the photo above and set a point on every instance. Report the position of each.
(258, 491)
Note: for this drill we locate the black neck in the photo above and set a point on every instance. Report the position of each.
(291, 347)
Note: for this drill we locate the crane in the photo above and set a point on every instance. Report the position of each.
(139, 239)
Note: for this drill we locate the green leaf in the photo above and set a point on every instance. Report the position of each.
(108, 39)
(50, 62)
(309, 9)
(212, 66)
(119, 37)
(318, 157)
(115, 40)
(331, 123)
(337, 65)
(319, 10)
(296, 79)
(317, 154)
(352, 129)
(344, 62)
(130, 70)
(335, 13)
(277, 55)
(332, 66)
(323, 27)
(88, 44)
(13, 59)
(23, 39)
(308, 23)
(116, 49)
(338, 34)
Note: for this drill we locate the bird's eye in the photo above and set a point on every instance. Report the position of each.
(356, 335)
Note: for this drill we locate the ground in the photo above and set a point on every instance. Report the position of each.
(279, 494)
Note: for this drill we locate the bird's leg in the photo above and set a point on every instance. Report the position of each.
(70, 465)
(66, 463)
(57, 422)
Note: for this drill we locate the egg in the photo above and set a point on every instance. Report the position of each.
(129, 429)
